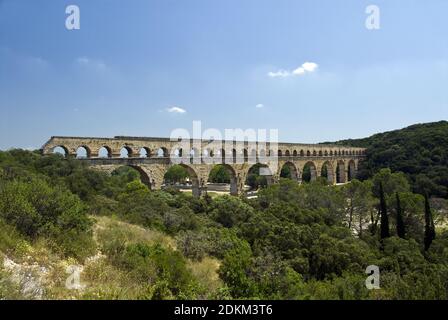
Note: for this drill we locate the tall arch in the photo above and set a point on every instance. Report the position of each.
(144, 176)
(351, 170)
(327, 172)
(223, 155)
(340, 172)
(195, 155)
(258, 175)
(309, 172)
(195, 183)
(232, 178)
(289, 171)
(245, 155)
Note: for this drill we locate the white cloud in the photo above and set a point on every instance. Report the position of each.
(279, 73)
(307, 67)
(176, 110)
(299, 71)
(310, 66)
(259, 106)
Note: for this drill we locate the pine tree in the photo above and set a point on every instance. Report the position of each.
(430, 232)
(383, 212)
(401, 230)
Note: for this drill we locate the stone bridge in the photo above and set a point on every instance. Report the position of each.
(152, 157)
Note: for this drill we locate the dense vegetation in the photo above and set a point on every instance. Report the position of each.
(420, 151)
(310, 241)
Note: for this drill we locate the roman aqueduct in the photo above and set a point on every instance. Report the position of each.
(152, 157)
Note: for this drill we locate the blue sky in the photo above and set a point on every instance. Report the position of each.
(134, 61)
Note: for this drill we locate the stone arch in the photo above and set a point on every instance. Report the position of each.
(302, 153)
(320, 153)
(105, 152)
(340, 172)
(196, 184)
(222, 152)
(287, 153)
(245, 155)
(291, 169)
(195, 156)
(351, 174)
(261, 170)
(327, 172)
(145, 152)
(294, 153)
(162, 152)
(309, 172)
(144, 176)
(83, 152)
(125, 152)
(62, 150)
(253, 155)
(233, 181)
(177, 153)
(279, 153)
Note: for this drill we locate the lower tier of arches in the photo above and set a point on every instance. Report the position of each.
(238, 176)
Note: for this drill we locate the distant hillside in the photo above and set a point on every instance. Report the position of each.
(420, 151)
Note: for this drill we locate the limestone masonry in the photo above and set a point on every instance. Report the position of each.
(152, 157)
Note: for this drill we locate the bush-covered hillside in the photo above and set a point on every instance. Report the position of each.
(310, 241)
(420, 151)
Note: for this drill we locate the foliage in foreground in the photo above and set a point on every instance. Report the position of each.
(310, 241)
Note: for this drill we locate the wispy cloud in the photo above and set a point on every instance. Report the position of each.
(176, 110)
(88, 62)
(307, 67)
(279, 74)
(259, 106)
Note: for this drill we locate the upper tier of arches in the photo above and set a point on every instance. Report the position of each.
(105, 151)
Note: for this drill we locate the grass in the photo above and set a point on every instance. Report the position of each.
(101, 278)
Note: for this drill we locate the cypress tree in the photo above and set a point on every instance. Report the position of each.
(430, 232)
(383, 212)
(401, 230)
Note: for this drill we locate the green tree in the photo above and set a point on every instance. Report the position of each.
(383, 213)
(219, 174)
(360, 203)
(401, 230)
(176, 174)
(430, 232)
